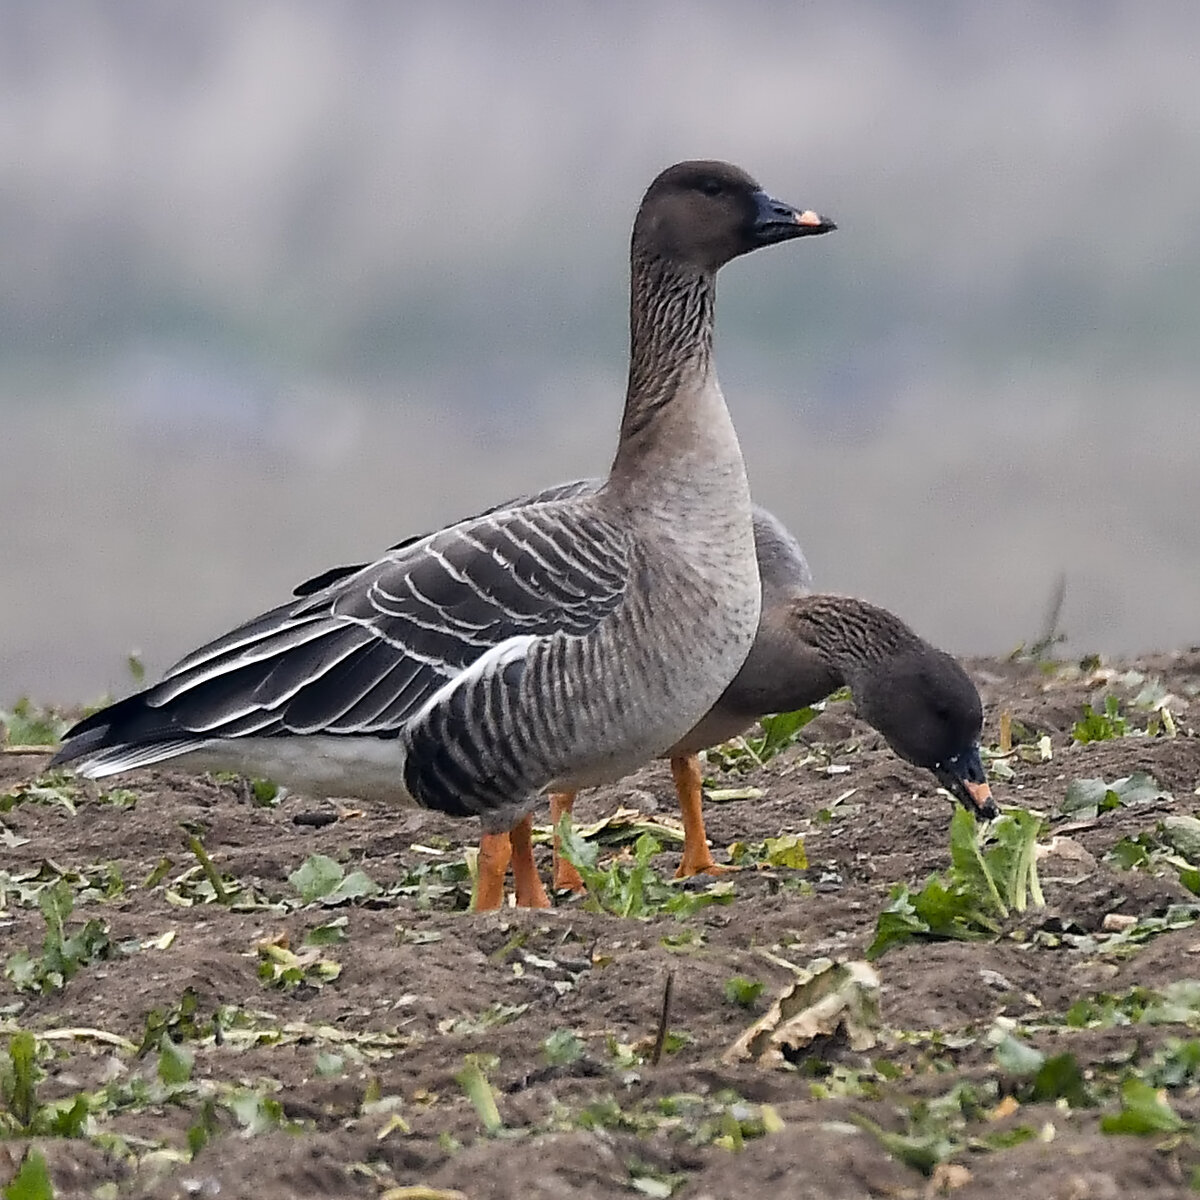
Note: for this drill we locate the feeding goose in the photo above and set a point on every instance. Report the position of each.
(807, 646)
(547, 646)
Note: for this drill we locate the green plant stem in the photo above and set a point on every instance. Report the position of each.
(474, 1082)
(210, 871)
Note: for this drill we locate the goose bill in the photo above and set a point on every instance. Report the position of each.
(965, 779)
(775, 221)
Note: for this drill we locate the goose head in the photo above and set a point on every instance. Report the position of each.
(703, 214)
(929, 711)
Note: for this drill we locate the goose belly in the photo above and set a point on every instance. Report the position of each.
(315, 765)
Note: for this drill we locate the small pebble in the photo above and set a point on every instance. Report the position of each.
(1115, 922)
(995, 979)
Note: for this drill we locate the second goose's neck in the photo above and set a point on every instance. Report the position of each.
(670, 349)
(848, 633)
(809, 645)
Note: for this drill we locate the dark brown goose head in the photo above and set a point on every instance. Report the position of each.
(703, 214)
(929, 711)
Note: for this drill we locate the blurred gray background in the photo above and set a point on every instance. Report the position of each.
(283, 281)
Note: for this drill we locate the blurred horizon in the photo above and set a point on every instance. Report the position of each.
(285, 282)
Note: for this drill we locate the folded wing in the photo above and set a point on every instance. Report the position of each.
(363, 653)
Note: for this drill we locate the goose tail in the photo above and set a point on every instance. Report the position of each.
(122, 736)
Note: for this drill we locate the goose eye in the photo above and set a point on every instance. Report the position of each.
(711, 187)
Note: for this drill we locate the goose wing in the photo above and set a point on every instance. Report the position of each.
(560, 491)
(362, 654)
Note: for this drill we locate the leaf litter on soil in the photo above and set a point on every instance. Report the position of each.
(173, 1061)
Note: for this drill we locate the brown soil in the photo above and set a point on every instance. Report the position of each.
(413, 965)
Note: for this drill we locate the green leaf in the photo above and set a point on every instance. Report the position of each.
(968, 862)
(1139, 788)
(1102, 726)
(327, 1063)
(202, 1128)
(119, 798)
(1017, 1057)
(938, 910)
(174, 1062)
(255, 1112)
(1060, 1078)
(63, 953)
(66, 1117)
(1178, 1063)
(328, 934)
(495, 1014)
(1090, 797)
(950, 911)
(684, 904)
(57, 902)
(786, 851)
(1143, 1111)
(354, 886)
(20, 1090)
(179, 1021)
(1177, 1004)
(26, 724)
(743, 991)
(1182, 833)
(780, 730)
(316, 877)
(1004, 1139)
(922, 1152)
(1011, 858)
(634, 902)
(22, 970)
(633, 890)
(32, 1180)
(562, 1048)
(158, 874)
(264, 793)
(897, 924)
(1128, 854)
(578, 851)
(1084, 797)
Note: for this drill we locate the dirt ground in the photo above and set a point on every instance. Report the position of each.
(328, 1083)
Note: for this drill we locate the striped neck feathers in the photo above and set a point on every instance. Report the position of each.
(670, 337)
(850, 634)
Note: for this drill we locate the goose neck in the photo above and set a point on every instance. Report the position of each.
(849, 634)
(670, 338)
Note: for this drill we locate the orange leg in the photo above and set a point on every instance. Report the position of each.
(689, 787)
(566, 878)
(530, 893)
(495, 851)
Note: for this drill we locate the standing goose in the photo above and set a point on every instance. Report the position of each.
(553, 645)
(807, 646)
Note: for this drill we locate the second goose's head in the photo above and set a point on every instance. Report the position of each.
(927, 708)
(702, 214)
